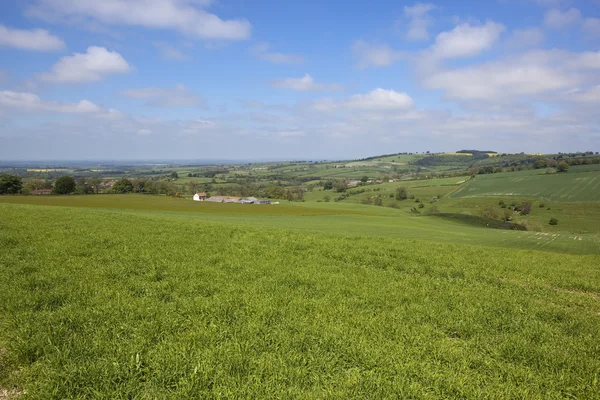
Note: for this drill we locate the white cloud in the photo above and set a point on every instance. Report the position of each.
(179, 96)
(419, 20)
(35, 39)
(535, 73)
(185, 16)
(94, 65)
(261, 51)
(169, 52)
(29, 102)
(304, 84)
(375, 100)
(144, 132)
(374, 55)
(591, 26)
(589, 95)
(558, 19)
(466, 40)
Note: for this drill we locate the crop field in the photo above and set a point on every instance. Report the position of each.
(572, 186)
(133, 303)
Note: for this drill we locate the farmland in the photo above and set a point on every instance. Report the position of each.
(176, 308)
(345, 292)
(574, 186)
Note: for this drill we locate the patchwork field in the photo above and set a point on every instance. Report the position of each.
(134, 303)
(572, 186)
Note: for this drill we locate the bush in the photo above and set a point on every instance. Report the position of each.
(526, 208)
(542, 205)
(553, 221)
(421, 205)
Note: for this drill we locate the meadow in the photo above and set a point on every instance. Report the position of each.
(133, 303)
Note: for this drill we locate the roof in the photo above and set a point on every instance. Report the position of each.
(201, 194)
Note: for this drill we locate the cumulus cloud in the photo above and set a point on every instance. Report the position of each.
(374, 55)
(375, 100)
(35, 39)
(533, 73)
(419, 20)
(262, 52)
(185, 16)
(557, 19)
(304, 84)
(178, 96)
(466, 40)
(93, 65)
(32, 103)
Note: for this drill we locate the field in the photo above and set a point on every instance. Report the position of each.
(132, 296)
(572, 186)
(189, 308)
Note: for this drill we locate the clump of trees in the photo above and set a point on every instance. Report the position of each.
(64, 185)
(10, 184)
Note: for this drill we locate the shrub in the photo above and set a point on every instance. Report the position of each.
(542, 205)
(553, 221)
(421, 205)
(526, 208)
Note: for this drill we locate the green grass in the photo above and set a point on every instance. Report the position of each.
(348, 219)
(131, 303)
(571, 186)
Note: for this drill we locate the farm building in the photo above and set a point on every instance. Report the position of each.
(42, 191)
(262, 202)
(200, 196)
(248, 200)
(223, 199)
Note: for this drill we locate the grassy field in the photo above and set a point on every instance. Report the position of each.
(571, 186)
(348, 219)
(139, 303)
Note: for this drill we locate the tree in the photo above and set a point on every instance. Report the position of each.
(364, 179)
(562, 167)
(328, 185)
(95, 183)
(377, 201)
(123, 186)
(64, 185)
(174, 175)
(10, 184)
(401, 193)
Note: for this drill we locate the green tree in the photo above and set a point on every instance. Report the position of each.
(10, 184)
(64, 185)
(562, 167)
(123, 186)
(95, 183)
(364, 179)
(401, 193)
(174, 175)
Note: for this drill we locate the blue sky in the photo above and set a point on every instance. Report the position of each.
(239, 79)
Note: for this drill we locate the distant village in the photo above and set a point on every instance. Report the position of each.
(231, 199)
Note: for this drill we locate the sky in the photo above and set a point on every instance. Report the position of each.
(272, 79)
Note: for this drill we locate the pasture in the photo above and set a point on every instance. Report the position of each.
(347, 219)
(135, 303)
